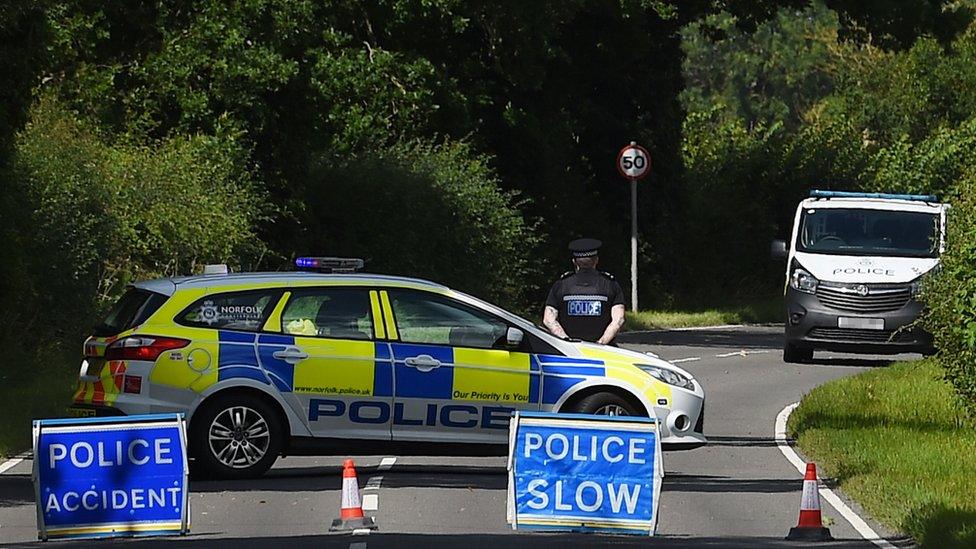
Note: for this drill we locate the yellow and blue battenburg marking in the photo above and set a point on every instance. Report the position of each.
(531, 379)
(240, 358)
(562, 373)
(237, 357)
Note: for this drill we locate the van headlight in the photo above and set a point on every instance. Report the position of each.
(916, 288)
(668, 376)
(803, 281)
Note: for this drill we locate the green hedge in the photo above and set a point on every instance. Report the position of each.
(424, 210)
(82, 216)
(951, 296)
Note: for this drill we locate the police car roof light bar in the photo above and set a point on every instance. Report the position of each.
(329, 264)
(817, 193)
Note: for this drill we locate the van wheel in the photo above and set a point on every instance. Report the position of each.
(234, 436)
(605, 404)
(796, 355)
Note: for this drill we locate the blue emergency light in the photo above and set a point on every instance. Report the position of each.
(329, 264)
(816, 193)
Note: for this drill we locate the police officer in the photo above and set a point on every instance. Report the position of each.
(585, 303)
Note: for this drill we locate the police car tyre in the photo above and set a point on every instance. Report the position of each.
(796, 355)
(606, 404)
(235, 436)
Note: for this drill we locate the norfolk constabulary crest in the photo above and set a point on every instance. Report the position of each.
(208, 312)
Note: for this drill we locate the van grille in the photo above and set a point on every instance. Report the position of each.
(860, 336)
(879, 299)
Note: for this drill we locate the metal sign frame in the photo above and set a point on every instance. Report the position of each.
(102, 424)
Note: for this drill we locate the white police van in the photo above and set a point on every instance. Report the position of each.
(855, 263)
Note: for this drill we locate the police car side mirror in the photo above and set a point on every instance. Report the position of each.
(777, 250)
(513, 337)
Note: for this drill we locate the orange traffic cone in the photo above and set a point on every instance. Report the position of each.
(810, 526)
(351, 510)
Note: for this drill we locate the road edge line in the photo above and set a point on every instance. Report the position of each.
(855, 520)
(11, 463)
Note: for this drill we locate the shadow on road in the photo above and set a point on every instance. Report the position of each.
(303, 479)
(676, 482)
(756, 338)
(16, 490)
(473, 541)
(754, 442)
(852, 362)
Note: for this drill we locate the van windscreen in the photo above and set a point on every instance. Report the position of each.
(853, 231)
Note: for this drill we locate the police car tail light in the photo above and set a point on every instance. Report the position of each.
(142, 347)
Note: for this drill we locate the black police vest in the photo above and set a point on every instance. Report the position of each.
(584, 311)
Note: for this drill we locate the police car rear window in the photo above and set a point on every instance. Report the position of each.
(131, 310)
(244, 311)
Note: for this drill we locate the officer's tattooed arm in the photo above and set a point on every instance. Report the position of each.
(550, 320)
(616, 323)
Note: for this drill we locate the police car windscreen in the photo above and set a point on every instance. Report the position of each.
(850, 231)
(132, 309)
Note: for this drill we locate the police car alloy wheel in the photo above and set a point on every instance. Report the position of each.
(236, 437)
(606, 404)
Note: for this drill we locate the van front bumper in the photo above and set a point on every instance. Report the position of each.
(810, 324)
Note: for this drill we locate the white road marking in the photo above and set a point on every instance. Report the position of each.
(698, 328)
(371, 502)
(743, 352)
(688, 359)
(358, 545)
(373, 483)
(827, 494)
(10, 464)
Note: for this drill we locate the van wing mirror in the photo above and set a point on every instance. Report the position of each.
(513, 337)
(777, 250)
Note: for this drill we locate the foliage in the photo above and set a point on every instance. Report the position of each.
(422, 209)
(911, 465)
(951, 295)
(85, 216)
(752, 312)
(769, 76)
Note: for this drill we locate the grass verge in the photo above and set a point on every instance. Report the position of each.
(42, 389)
(895, 440)
(756, 311)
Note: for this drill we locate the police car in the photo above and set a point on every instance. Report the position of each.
(265, 364)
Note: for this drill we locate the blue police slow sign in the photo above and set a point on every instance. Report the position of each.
(584, 473)
(118, 476)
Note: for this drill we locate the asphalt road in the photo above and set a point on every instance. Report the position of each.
(739, 491)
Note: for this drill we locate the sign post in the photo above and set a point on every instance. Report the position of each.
(633, 163)
(111, 476)
(584, 473)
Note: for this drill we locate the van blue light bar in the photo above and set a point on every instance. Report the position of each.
(816, 193)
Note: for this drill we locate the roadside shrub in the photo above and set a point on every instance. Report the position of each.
(951, 296)
(433, 211)
(85, 216)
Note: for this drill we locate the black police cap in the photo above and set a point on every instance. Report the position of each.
(585, 247)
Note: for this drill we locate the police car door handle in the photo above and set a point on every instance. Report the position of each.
(423, 363)
(290, 354)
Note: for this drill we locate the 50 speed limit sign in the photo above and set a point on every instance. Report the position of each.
(633, 162)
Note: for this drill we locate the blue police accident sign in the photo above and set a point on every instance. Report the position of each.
(584, 473)
(118, 476)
